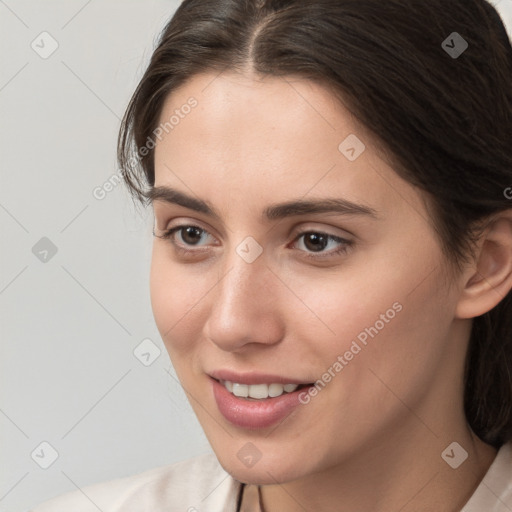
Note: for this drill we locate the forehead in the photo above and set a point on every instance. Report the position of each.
(264, 107)
(253, 125)
(228, 87)
(267, 138)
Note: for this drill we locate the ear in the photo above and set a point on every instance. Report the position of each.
(489, 279)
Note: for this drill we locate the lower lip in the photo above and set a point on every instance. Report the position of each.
(254, 414)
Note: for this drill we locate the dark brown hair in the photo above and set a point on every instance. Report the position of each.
(444, 120)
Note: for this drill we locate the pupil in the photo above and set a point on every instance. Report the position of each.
(319, 241)
(190, 232)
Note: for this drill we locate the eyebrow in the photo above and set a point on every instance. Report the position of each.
(273, 212)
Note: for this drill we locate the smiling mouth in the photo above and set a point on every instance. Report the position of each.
(260, 391)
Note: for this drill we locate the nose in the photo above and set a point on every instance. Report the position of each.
(245, 307)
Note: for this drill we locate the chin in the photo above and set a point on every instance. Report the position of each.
(264, 472)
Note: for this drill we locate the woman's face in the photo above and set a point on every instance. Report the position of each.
(347, 290)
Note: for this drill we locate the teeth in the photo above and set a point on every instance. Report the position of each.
(258, 391)
(276, 390)
(240, 390)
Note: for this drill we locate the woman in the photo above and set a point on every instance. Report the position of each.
(332, 262)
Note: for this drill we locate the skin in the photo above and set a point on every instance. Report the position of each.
(372, 439)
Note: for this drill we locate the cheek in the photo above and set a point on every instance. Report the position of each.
(385, 316)
(348, 303)
(415, 343)
(390, 339)
(175, 300)
(394, 342)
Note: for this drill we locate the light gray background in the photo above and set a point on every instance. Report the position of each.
(70, 325)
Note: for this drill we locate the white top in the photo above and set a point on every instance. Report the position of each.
(201, 485)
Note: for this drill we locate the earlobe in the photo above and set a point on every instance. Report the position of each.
(490, 278)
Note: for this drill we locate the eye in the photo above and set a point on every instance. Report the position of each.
(317, 242)
(313, 244)
(190, 235)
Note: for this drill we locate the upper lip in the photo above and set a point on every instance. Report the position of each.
(254, 378)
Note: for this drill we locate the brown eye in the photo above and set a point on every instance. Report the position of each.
(190, 234)
(313, 244)
(315, 241)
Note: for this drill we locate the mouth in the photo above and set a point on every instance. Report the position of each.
(256, 392)
(256, 405)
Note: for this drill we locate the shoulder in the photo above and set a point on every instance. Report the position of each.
(495, 491)
(189, 485)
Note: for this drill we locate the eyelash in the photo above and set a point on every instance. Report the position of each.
(346, 244)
